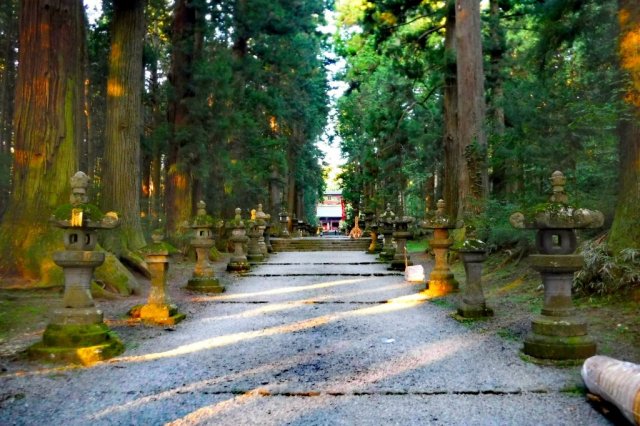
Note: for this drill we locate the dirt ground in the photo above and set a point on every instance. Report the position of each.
(513, 290)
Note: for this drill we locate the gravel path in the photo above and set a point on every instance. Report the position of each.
(307, 338)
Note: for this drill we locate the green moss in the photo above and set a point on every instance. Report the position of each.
(204, 220)
(115, 277)
(159, 247)
(89, 211)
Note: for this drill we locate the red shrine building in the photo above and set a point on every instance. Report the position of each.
(330, 211)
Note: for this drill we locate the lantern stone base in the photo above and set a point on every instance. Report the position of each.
(387, 255)
(441, 283)
(559, 338)
(205, 285)
(255, 258)
(77, 343)
(238, 266)
(474, 311)
(157, 314)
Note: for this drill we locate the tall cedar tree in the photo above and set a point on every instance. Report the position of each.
(121, 176)
(625, 230)
(185, 43)
(48, 129)
(472, 140)
(8, 46)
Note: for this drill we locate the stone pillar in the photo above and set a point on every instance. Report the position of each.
(158, 310)
(472, 303)
(238, 261)
(203, 278)
(77, 332)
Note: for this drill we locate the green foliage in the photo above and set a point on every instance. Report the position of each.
(604, 273)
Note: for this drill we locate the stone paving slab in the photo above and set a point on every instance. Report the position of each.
(338, 358)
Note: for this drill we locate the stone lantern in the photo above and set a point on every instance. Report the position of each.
(472, 303)
(371, 224)
(400, 235)
(238, 261)
(158, 310)
(441, 280)
(557, 333)
(203, 278)
(77, 332)
(254, 254)
(386, 221)
(283, 218)
(262, 220)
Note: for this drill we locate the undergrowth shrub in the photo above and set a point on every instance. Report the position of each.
(604, 273)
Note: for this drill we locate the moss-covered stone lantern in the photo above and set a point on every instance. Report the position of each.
(261, 220)
(401, 233)
(267, 233)
(386, 221)
(203, 278)
(238, 261)
(77, 332)
(558, 333)
(254, 254)
(441, 279)
(283, 218)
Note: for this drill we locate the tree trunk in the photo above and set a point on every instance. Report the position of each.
(48, 127)
(625, 230)
(8, 45)
(178, 199)
(121, 176)
(472, 141)
(450, 103)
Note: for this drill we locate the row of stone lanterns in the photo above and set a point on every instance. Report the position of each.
(77, 332)
(557, 333)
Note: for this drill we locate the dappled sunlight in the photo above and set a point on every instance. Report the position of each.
(277, 365)
(392, 305)
(414, 359)
(280, 290)
(209, 411)
(229, 339)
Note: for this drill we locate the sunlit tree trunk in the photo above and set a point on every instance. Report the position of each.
(472, 141)
(625, 230)
(48, 127)
(121, 177)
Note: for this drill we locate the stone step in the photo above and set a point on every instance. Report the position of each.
(320, 244)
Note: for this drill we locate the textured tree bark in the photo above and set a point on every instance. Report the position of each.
(8, 45)
(122, 174)
(450, 101)
(178, 200)
(48, 127)
(625, 230)
(472, 140)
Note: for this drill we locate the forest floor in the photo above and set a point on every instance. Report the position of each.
(512, 289)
